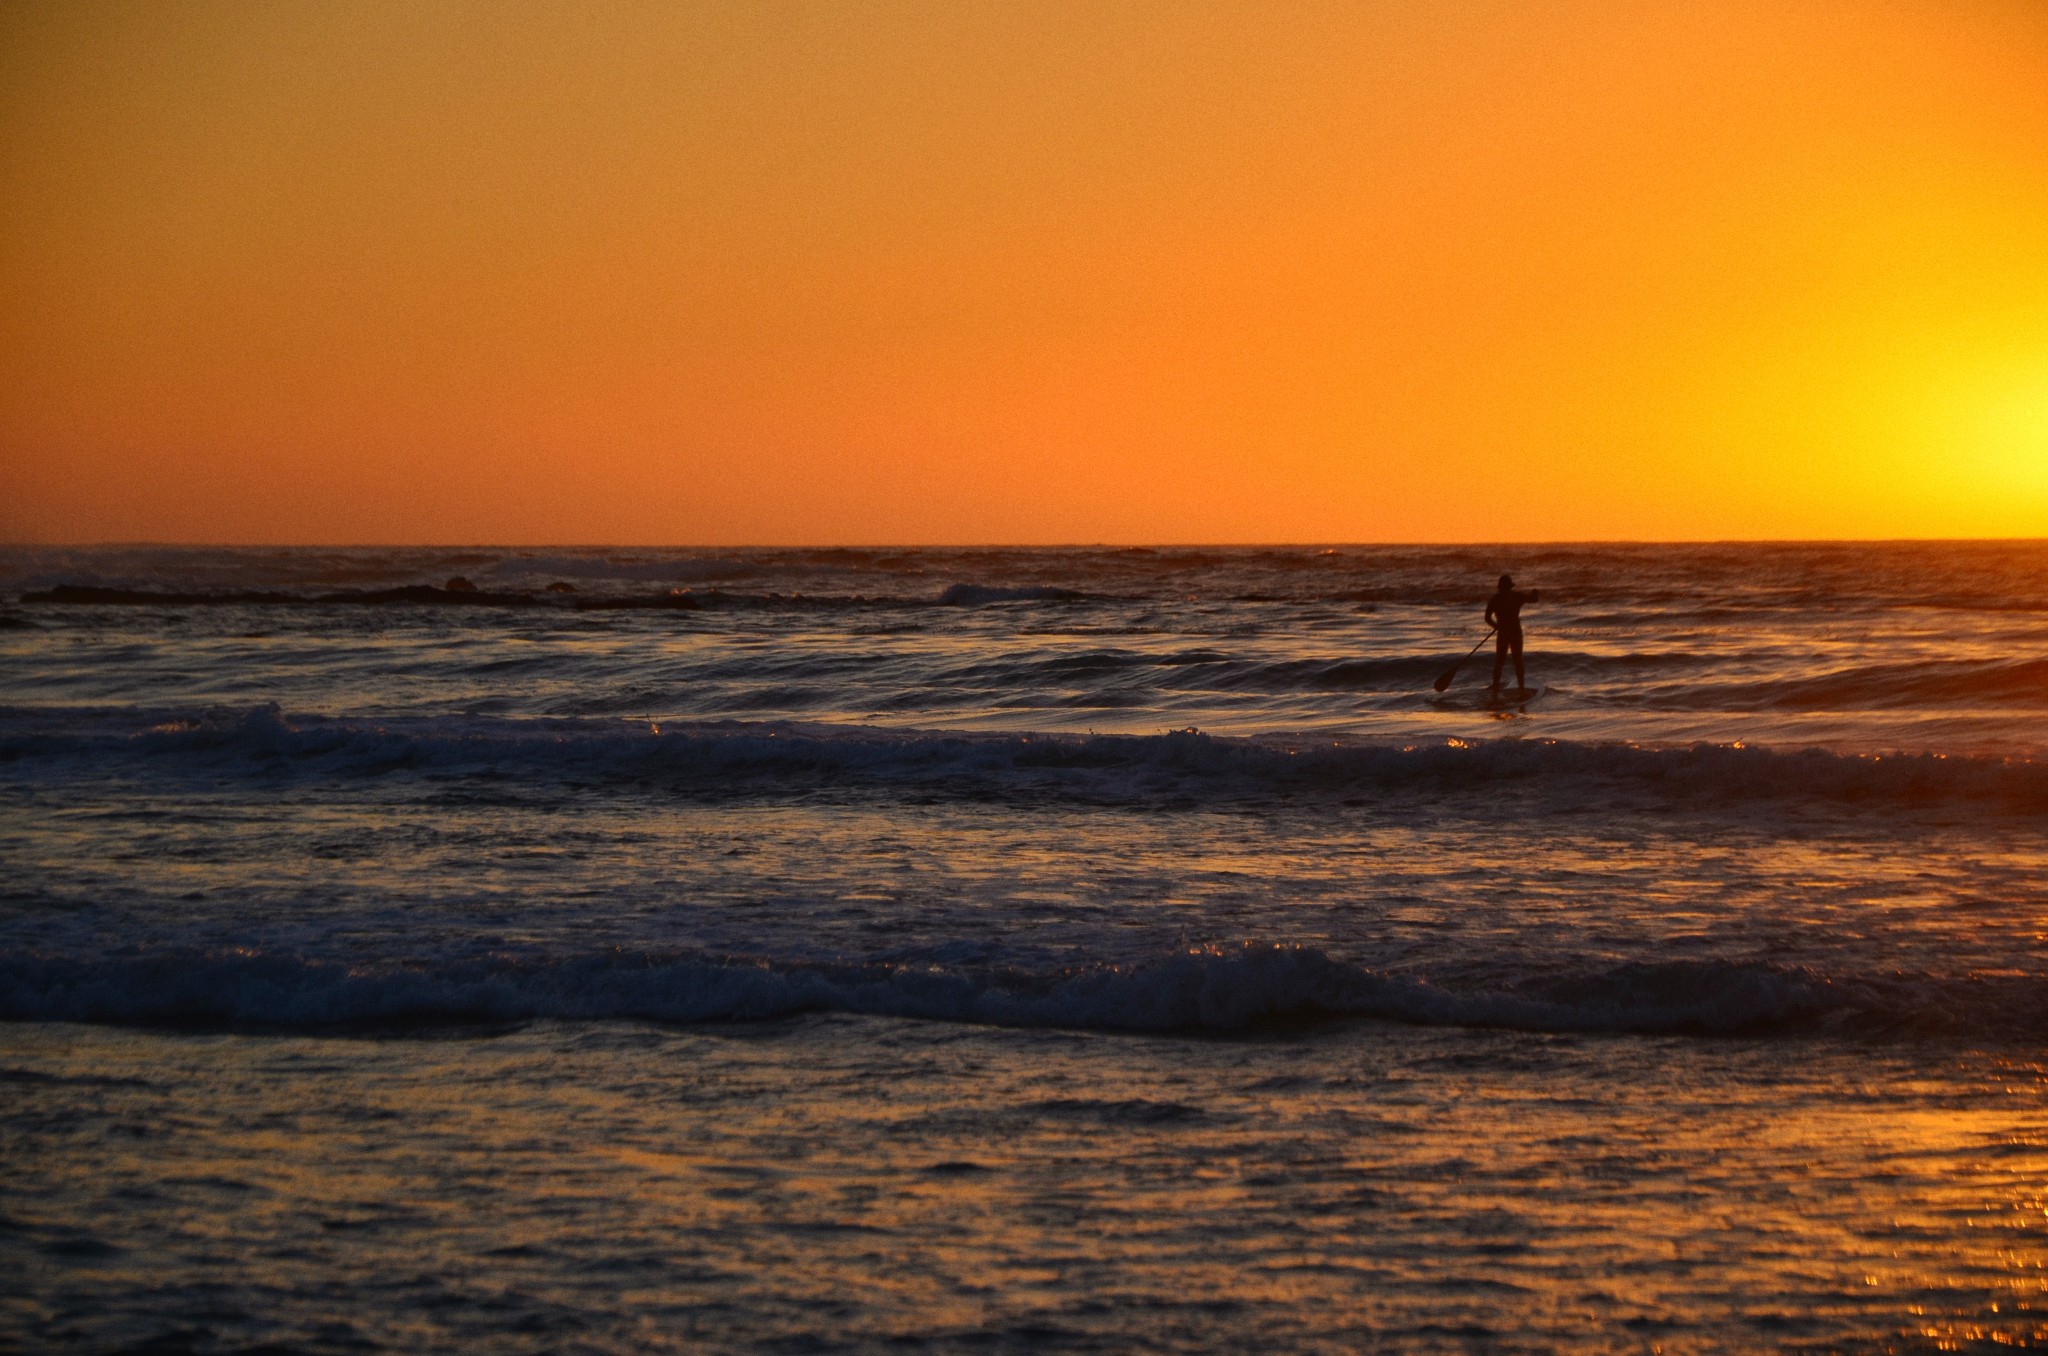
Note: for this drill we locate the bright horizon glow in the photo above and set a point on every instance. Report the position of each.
(900, 274)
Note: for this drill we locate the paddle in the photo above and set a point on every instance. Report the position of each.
(1452, 671)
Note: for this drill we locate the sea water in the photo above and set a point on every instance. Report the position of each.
(1104, 949)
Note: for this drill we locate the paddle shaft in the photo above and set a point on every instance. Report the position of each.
(1452, 671)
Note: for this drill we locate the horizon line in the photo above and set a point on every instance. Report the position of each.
(1330, 544)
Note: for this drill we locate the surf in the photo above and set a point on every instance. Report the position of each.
(780, 757)
(1240, 988)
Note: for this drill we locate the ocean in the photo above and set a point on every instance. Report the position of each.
(611, 950)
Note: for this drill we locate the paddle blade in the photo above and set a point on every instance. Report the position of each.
(1452, 671)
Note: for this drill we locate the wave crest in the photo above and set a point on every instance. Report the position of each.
(1214, 989)
(733, 756)
(976, 595)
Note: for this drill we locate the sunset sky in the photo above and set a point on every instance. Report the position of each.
(1055, 272)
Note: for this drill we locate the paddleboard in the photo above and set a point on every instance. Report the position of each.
(1512, 700)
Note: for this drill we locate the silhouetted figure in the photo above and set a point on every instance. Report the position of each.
(1504, 615)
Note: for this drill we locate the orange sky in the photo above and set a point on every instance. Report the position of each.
(1022, 272)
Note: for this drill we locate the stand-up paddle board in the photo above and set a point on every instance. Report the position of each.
(1508, 701)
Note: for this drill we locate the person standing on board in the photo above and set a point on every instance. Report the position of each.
(1504, 615)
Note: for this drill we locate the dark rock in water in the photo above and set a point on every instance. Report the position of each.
(459, 585)
(561, 586)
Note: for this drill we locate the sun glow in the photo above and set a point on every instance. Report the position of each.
(2012, 433)
(867, 273)
(1985, 432)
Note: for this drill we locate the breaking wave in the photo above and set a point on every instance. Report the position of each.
(1215, 989)
(976, 595)
(733, 755)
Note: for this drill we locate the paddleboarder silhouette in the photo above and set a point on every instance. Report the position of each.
(1504, 615)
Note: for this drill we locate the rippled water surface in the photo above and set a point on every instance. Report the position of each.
(1068, 949)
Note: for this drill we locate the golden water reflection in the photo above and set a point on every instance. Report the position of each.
(873, 1179)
